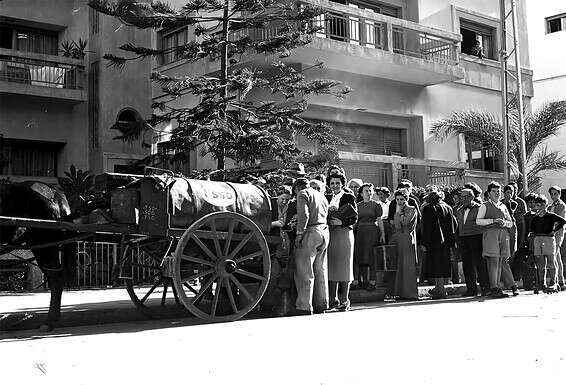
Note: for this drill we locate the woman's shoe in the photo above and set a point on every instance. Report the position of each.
(498, 293)
(440, 295)
(370, 287)
(343, 307)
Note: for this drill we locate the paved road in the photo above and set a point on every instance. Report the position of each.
(465, 341)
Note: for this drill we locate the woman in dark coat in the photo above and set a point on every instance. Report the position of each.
(438, 239)
(341, 246)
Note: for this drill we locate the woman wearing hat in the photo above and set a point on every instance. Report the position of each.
(341, 246)
(354, 185)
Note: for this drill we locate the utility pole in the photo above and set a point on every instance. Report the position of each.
(506, 74)
(503, 64)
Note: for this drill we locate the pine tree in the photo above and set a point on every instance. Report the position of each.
(227, 123)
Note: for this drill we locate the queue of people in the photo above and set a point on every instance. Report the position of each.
(333, 226)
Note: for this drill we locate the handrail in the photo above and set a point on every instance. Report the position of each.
(375, 31)
(34, 69)
(42, 57)
(368, 15)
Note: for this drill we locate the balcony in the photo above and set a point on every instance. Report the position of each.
(47, 76)
(383, 46)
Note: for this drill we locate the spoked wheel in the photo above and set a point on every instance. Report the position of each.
(221, 267)
(151, 291)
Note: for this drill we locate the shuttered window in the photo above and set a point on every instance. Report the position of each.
(28, 158)
(372, 139)
(364, 139)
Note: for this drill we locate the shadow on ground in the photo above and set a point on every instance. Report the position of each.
(24, 325)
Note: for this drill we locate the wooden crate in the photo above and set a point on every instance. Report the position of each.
(124, 205)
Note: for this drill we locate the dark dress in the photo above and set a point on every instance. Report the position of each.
(367, 234)
(438, 236)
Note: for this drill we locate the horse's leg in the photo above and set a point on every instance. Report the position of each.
(49, 263)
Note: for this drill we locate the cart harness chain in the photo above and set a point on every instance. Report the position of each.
(7, 249)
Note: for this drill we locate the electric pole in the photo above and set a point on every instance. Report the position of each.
(506, 98)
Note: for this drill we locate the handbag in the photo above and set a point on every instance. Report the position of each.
(344, 212)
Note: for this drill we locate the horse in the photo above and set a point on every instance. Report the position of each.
(38, 200)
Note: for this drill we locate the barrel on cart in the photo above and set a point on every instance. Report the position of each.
(204, 247)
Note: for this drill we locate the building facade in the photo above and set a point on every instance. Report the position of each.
(409, 63)
(547, 34)
(58, 110)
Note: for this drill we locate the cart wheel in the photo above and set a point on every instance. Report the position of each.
(222, 267)
(151, 291)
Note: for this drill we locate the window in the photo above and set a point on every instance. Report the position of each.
(28, 158)
(94, 21)
(170, 40)
(555, 23)
(475, 32)
(29, 40)
(365, 139)
(126, 118)
(481, 158)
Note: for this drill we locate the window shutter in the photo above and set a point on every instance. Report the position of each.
(393, 141)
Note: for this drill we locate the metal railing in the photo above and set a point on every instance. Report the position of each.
(368, 29)
(43, 73)
(96, 264)
(351, 29)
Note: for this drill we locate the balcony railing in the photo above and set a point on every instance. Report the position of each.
(369, 29)
(41, 70)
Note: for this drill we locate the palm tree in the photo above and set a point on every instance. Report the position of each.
(485, 130)
(76, 184)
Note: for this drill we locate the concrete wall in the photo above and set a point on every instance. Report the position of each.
(65, 122)
(119, 89)
(25, 117)
(57, 13)
(549, 72)
(442, 14)
(377, 100)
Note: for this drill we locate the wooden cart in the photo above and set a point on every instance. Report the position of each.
(190, 245)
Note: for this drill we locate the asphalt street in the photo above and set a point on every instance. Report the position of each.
(455, 341)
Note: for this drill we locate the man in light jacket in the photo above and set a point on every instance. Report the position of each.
(311, 275)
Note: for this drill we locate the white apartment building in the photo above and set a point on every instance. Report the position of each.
(547, 43)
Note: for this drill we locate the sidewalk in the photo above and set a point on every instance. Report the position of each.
(19, 311)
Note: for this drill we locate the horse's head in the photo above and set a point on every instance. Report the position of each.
(36, 200)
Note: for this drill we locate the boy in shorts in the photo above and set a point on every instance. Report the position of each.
(543, 227)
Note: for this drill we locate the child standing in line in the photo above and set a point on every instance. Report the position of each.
(543, 226)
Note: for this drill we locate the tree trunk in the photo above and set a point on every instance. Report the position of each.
(220, 164)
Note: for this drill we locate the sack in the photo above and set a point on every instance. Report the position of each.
(344, 213)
